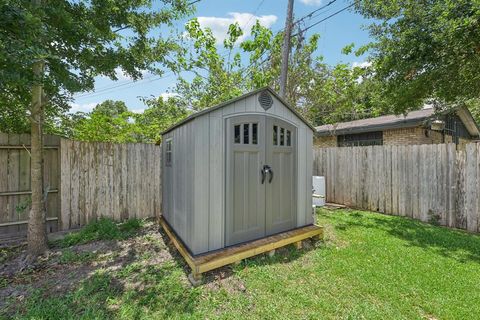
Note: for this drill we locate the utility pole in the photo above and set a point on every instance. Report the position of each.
(286, 49)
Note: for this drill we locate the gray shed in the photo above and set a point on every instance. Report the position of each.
(236, 172)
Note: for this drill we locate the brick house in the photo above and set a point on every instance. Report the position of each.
(417, 127)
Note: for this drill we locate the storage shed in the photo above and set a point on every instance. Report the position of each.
(237, 172)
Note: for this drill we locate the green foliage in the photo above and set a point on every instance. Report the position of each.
(159, 115)
(23, 205)
(110, 108)
(425, 49)
(216, 78)
(101, 127)
(111, 121)
(322, 93)
(78, 40)
(102, 229)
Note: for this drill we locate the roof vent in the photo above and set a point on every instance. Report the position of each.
(265, 100)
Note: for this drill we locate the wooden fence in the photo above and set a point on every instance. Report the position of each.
(432, 183)
(85, 181)
(15, 188)
(118, 181)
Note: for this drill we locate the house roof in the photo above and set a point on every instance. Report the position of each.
(411, 119)
(226, 103)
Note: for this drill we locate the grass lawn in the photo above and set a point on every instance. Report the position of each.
(369, 266)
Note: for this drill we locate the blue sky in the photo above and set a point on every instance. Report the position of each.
(335, 33)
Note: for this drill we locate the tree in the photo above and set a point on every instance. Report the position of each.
(109, 121)
(110, 108)
(425, 49)
(322, 93)
(52, 49)
(217, 77)
(159, 115)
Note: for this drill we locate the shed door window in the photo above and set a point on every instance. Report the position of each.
(281, 136)
(168, 153)
(245, 133)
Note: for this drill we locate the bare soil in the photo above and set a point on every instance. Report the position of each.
(55, 274)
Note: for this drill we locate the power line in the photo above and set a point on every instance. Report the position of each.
(310, 15)
(254, 13)
(324, 19)
(129, 84)
(224, 55)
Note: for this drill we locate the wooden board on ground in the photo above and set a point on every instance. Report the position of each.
(219, 258)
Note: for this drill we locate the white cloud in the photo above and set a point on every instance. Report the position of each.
(141, 110)
(364, 64)
(311, 2)
(168, 95)
(85, 107)
(246, 21)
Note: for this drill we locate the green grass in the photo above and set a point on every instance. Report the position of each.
(370, 266)
(69, 256)
(102, 229)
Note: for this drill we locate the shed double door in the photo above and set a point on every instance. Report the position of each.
(260, 179)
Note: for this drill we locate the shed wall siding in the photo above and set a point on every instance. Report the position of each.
(179, 181)
(205, 213)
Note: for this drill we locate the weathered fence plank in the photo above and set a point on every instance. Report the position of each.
(432, 183)
(110, 180)
(86, 181)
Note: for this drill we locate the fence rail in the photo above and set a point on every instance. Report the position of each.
(15, 187)
(432, 183)
(85, 181)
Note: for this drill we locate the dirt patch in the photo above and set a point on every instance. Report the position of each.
(62, 269)
(224, 278)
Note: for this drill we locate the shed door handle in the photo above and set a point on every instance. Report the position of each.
(267, 169)
(271, 175)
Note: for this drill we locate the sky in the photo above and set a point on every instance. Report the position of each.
(335, 33)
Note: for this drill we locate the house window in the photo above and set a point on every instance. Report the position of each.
(454, 127)
(360, 139)
(168, 153)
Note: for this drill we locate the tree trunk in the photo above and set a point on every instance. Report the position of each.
(37, 237)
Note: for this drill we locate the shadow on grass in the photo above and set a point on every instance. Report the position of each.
(456, 244)
(128, 285)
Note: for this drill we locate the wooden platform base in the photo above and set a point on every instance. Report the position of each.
(219, 258)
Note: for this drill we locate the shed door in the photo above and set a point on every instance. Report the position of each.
(281, 189)
(260, 180)
(245, 214)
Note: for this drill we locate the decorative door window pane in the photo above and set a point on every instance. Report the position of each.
(245, 133)
(236, 133)
(254, 133)
(282, 136)
(289, 138)
(275, 135)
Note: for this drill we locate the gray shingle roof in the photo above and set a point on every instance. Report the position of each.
(412, 119)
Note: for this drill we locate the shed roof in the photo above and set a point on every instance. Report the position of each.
(411, 119)
(226, 103)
